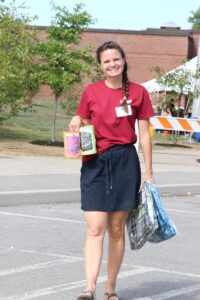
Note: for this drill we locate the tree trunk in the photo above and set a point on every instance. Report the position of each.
(175, 133)
(188, 105)
(179, 102)
(53, 132)
(175, 137)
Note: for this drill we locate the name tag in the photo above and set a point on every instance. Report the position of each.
(123, 111)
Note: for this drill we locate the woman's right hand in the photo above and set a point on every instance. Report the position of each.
(75, 124)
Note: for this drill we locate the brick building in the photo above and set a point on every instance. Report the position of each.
(166, 47)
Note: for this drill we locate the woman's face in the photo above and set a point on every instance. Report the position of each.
(112, 63)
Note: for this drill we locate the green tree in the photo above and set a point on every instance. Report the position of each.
(18, 76)
(183, 82)
(195, 19)
(62, 62)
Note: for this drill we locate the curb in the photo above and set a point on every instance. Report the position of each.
(59, 196)
(39, 197)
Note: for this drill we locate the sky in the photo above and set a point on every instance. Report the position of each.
(121, 14)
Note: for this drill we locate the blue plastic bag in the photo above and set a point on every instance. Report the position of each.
(166, 228)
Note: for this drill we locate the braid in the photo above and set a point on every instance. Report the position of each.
(113, 45)
(125, 81)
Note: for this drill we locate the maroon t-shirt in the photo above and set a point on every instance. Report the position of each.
(98, 103)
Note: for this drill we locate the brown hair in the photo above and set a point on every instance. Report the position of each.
(113, 45)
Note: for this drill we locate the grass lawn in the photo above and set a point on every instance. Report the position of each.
(18, 134)
(183, 141)
(36, 125)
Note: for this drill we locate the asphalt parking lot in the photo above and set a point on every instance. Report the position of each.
(41, 249)
(42, 232)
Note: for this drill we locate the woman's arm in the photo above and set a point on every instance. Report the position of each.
(145, 142)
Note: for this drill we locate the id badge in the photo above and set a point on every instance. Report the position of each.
(123, 111)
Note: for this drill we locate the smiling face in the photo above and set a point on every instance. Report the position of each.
(112, 63)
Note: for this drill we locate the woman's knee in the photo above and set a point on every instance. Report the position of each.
(96, 224)
(96, 231)
(116, 232)
(116, 225)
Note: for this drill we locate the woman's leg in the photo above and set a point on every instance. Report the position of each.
(116, 232)
(96, 228)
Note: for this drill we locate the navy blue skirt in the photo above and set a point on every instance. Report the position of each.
(111, 181)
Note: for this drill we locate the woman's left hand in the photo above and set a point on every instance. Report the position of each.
(149, 178)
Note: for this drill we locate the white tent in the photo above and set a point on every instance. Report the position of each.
(152, 86)
(196, 102)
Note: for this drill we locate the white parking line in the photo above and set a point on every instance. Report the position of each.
(138, 269)
(164, 270)
(172, 293)
(76, 258)
(47, 264)
(83, 222)
(24, 192)
(178, 184)
(69, 286)
(44, 191)
(51, 254)
(183, 211)
(42, 218)
(11, 249)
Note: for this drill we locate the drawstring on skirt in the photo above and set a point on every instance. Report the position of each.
(108, 160)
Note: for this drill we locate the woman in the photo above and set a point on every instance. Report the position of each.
(110, 180)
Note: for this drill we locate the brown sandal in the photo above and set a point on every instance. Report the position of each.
(109, 295)
(87, 295)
